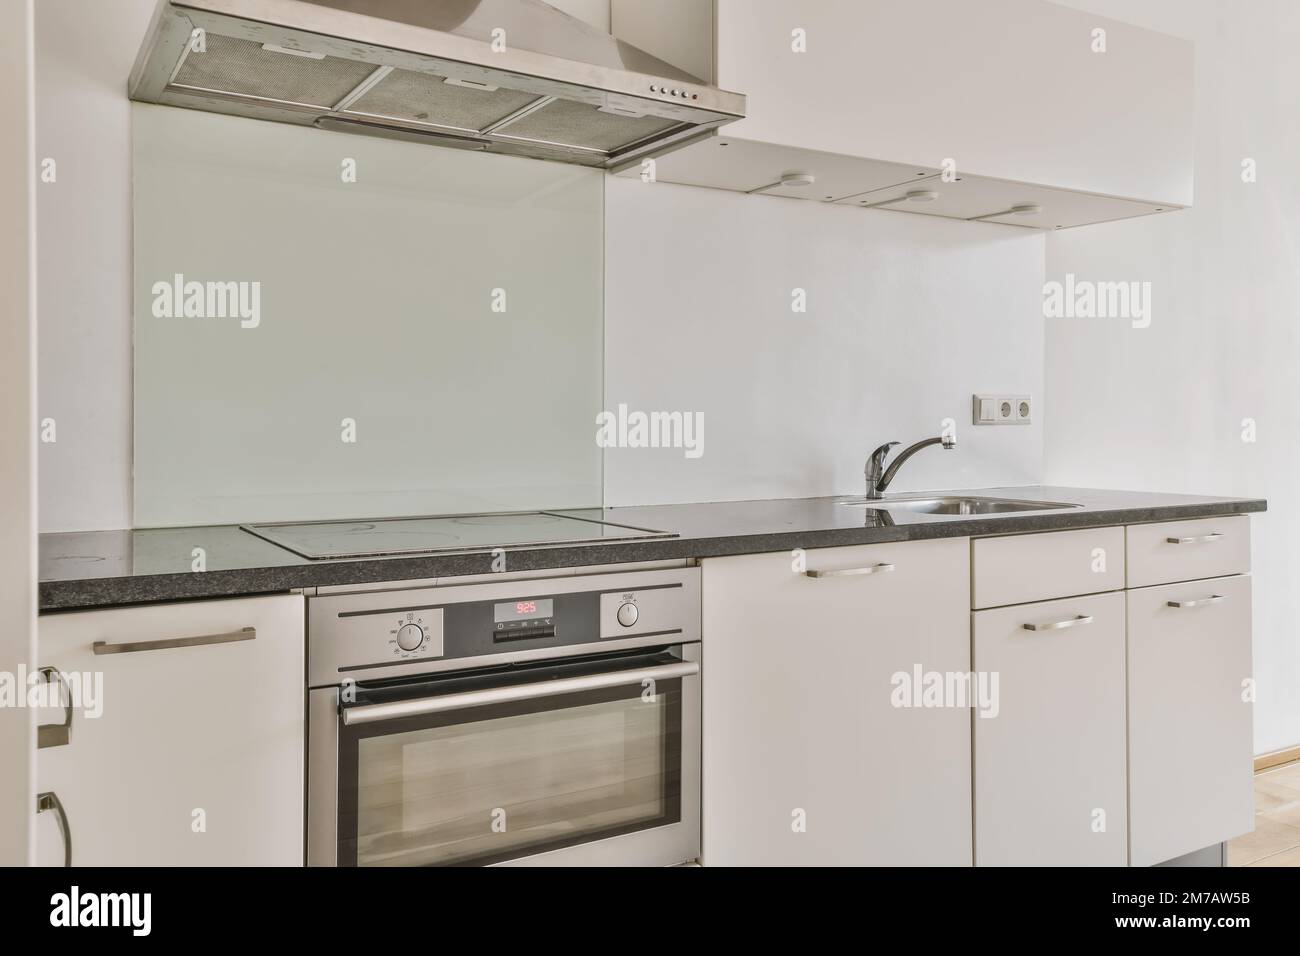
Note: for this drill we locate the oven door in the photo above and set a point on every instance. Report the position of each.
(581, 762)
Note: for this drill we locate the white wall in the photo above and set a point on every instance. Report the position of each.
(907, 317)
(1161, 408)
(17, 425)
(84, 52)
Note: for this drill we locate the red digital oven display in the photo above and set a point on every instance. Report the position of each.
(532, 609)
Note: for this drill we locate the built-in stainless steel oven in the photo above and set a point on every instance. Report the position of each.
(547, 721)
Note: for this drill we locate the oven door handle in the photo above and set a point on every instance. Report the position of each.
(370, 713)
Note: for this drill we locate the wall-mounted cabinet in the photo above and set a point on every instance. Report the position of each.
(1079, 118)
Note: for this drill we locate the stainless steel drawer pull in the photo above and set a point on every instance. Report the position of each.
(49, 800)
(130, 647)
(850, 572)
(1198, 602)
(56, 735)
(369, 713)
(1061, 625)
(1196, 538)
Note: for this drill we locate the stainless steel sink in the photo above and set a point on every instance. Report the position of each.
(958, 505)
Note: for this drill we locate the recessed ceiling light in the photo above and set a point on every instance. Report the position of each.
(797, 179)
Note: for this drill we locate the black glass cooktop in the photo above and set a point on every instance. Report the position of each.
(380, 537)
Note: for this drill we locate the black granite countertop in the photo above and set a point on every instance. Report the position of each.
(105, 568)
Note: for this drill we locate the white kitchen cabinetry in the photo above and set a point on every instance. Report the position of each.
(210, 732)
(1015, 94)
(1049, 766)
(1190, 773)
(1121, 732)
(806, 759)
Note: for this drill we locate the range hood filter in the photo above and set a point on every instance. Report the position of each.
(429, 98)
(243, 68)
(564, 122)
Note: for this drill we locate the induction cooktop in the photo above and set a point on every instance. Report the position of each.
(383, 537)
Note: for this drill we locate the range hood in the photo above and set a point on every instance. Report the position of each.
(504, 76)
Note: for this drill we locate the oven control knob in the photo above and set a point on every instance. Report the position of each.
(627, 614)
(410, 636)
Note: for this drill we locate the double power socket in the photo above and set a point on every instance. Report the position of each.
(1000, 409)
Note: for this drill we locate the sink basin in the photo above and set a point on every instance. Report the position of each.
(958, 505)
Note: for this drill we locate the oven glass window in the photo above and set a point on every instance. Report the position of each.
(493, 783)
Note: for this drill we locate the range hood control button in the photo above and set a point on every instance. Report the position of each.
(410, 636)
(627, 614)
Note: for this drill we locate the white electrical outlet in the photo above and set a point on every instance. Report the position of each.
(1001, 409)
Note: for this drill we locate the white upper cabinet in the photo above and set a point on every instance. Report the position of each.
(1076, 117)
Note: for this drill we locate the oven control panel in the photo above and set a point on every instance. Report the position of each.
(523, 619)
(416, 634)
(371, 635)
(641, 611)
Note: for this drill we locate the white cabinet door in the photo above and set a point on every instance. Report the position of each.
(1190, 777)
(806, 759)
(196, 758)
(1049, 767)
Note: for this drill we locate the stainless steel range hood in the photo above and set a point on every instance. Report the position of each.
(506, 76)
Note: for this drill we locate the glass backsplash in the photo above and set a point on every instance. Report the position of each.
(336, 326)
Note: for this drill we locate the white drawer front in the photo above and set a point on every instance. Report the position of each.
(1188, 550)
(1033, 567)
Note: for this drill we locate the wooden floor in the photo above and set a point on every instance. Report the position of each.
(1276, 840)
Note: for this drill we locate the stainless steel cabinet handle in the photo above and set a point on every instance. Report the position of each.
(50, 801)
(56, 735)
(849, 572)
(1198, 602)
(369, 713)
(1061, 625)
(1195, 538)
(130, 647)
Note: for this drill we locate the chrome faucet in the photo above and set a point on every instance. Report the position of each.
(879, 477)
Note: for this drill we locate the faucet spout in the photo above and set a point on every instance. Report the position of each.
(878, 480)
